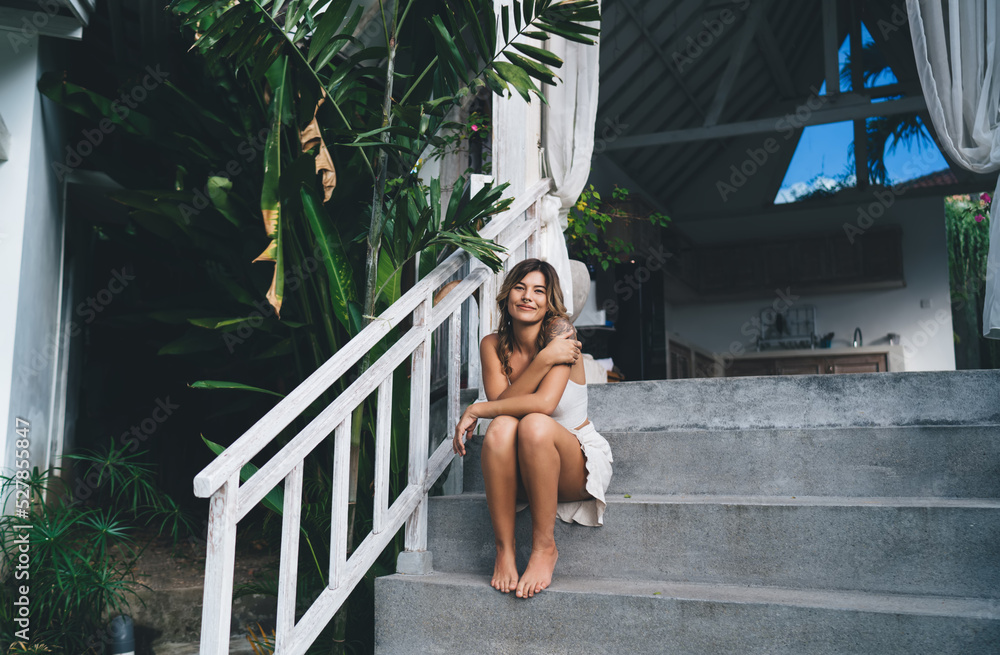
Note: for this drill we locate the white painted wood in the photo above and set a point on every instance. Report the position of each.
(278, 418)
(383, 449)
(329, 601)
(289, 567)
(474, 379)
(4, 141)
(77, 8)
(21, 21)
(833, 114)
(220, 560)
(339, 504)
(230, 502)
(320, 427)
(420, 388)
(454, 371)
(452, 303)
(831, 66)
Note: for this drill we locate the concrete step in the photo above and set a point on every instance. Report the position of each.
(461, 613)
(799, 401)
(960, 461)
(885, 545)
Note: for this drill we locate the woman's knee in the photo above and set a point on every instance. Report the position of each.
(501, 435)
(534, 430)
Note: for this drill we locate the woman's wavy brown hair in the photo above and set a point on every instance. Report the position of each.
(556, 307)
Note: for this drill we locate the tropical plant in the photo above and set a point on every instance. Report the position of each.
(967, 219)
(589, 220)
(304, 115)
(82, 545)
(883, 133)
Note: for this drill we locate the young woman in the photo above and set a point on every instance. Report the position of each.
(540, 446)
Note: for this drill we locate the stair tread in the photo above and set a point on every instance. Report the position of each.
(951, 606)
(809, 501)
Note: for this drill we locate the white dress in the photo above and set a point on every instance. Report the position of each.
(570, 412)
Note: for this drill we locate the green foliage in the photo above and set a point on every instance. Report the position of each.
(589, 220)
(967, 220)
(325, 128)
(82, 546)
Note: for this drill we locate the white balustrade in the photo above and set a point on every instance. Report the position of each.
(517, 230)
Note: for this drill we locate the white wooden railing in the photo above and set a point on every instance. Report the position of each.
(517, 230)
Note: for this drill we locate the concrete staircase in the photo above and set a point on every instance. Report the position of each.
(798, 515)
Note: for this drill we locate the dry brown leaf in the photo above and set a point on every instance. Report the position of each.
(310, 138)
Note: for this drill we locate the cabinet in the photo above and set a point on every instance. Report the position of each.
(809, 365)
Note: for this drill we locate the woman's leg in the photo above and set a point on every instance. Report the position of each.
(553, 468)
(499, 461)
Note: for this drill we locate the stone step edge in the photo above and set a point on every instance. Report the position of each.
(792, 501)
(949, 606)
(681, 429)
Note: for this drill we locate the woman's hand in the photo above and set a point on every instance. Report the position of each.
(563, 350)
(463, 431)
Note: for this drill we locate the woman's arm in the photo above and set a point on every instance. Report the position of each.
(563, 348)
(542, 401)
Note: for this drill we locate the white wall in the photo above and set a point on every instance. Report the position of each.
(926, 332)
(30, 261)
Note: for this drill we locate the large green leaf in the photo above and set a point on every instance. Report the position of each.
(218, 384)
(335, 259)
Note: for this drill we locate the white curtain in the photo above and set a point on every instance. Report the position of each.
(958, 60)
(568, 134)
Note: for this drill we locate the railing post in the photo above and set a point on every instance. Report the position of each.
(220, 562)
(288, 571)
(534, 217)
(416, 560)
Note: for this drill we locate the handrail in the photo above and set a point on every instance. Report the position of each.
(230, 501)
(213, 476)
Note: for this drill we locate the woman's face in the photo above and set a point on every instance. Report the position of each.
(527, 301)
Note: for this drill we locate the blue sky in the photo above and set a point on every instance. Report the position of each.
(823, 150)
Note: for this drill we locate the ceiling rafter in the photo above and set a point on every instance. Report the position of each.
(662, 55)
(739, 51)
(772, 55)
(851, 107)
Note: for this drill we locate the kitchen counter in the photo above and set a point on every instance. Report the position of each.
(831, 357)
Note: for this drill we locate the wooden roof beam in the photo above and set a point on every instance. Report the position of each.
(772, 55)
(831, 63)
(735, 62)
(63, 27)
(848, 108)
(662, 55)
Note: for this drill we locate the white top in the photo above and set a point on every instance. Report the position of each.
(571, 412)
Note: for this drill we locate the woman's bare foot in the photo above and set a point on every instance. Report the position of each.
(538, 575)
(504, 571)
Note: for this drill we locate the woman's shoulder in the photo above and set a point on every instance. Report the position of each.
(489, 340)
(559, 326)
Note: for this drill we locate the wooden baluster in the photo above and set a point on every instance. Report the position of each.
(287, 578)
(220, 562)
(453, 483)
(416, 560)
(341, 477)
(534, 217)
(383, 444)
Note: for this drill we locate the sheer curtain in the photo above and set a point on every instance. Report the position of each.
(956, 48)
(568, 134)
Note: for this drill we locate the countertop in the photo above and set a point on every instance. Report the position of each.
(895, 353)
